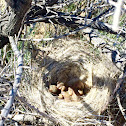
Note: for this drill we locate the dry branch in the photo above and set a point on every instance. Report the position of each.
(23, 117)
(116, 16)
(16, 84)
(41, 13)
(120, 106)
(65, 19)
(11, 23)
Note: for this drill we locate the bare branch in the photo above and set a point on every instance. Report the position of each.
(116, 16)
(68, 20)
(11, 23)
(110, 2)
(23, 117)
(120, 106)
(16, 84)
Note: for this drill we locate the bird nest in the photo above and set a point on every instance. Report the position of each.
(72, 82)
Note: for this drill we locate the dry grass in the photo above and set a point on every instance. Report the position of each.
(2, 5)
(66, 61)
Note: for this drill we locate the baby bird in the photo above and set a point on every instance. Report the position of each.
(61, 85)
(66, 95)
(53, 89)
(75, 98)
(81, 92)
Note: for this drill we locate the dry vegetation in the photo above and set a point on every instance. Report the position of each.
(2, 5)
(70, 62)
(71, 81)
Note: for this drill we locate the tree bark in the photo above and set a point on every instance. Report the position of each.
(11, 23)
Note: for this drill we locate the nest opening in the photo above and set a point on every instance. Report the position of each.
(67, 81)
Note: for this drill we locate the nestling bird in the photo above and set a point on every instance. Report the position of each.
(53, 89)
(66, 96)
(61, 85)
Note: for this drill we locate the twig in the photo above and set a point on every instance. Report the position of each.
(119, 84)
(92, 122)
(117, 90)
(13, 92)
(37, 110)
(8, 65)
(110, 2)
(116, 15)
(120, 106)
(22, 117)
(74, 21)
